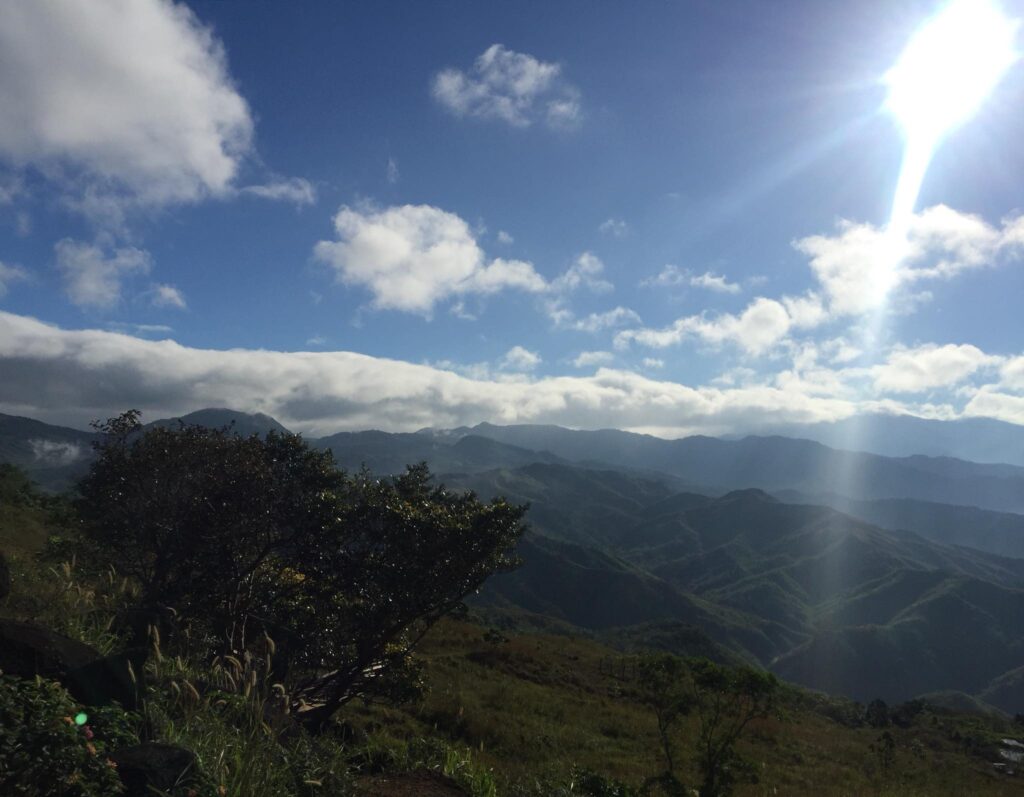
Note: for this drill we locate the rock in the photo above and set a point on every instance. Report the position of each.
(5, 577)
(27, 650)
(107, 679)
(151, 768)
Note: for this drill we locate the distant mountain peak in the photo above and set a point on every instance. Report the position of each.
(750, 494)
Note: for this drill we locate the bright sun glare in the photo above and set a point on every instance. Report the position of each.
(950, 66)
(941, 79)
(945, 73)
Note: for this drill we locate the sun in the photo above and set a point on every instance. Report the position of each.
(949, 67)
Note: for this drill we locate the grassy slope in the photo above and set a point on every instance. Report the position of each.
(538, 704)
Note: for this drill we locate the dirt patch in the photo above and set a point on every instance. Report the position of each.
(421, 783)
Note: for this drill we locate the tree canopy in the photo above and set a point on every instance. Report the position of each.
(247, 536)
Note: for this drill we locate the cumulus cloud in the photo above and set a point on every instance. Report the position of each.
(519, 359)
(93, 274)
(513, 87)
(762, 325)
(913, 370)
(411, 257)
(9, 275)
(294, 189)
(168, 296)
(138, 107)
(860, 266)
(586, 359)
(991, 403)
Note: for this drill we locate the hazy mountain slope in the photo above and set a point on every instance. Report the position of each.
(1000, 533)
(777, 463)
(53, 456)
(596, 590)
(975, 439)
(595, 507)
(959, 635)
(387, 453)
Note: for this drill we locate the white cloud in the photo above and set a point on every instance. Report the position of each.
(121, 102)
(1012, 374)
(74, 376)
(653, 362)
(584, 272)
(10, 188)
(392, 173)
(92, 277)
(513, 87)
(859, 267)
(505, 238)
(410, 257)
(519, 359)
(54, 453)
(316, 340)
(672, 277)
(762, 325)
(807, 311)
(596, 322)
(714, 282)
(10, 275)
(669, 277)
(990, 403)
(614, 227)
(294, 189)
(168, 296)
(585, 359)
(930, 366)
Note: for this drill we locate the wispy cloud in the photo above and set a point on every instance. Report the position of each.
(516, 88)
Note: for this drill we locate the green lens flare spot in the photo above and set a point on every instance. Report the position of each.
(81, 718)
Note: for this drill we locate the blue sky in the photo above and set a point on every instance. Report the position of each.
(658, 216)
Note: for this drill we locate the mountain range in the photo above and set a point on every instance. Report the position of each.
(847, 571)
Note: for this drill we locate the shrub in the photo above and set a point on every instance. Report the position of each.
(43, 751)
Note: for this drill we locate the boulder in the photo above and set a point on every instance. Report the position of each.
(27, 650)
(153, 768)
(105, 680)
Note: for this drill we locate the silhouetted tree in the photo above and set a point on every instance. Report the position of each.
(243, 534)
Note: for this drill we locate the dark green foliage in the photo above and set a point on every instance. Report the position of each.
(663, 680)
(877, 714)
(43, 752)
(245, 536)
(725, 701)
(403, 555)
(193, 513)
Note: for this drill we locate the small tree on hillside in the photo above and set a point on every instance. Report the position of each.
(664, 684)
(725, 700)
(243, 534)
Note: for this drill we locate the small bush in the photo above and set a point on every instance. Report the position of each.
(44, 752)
